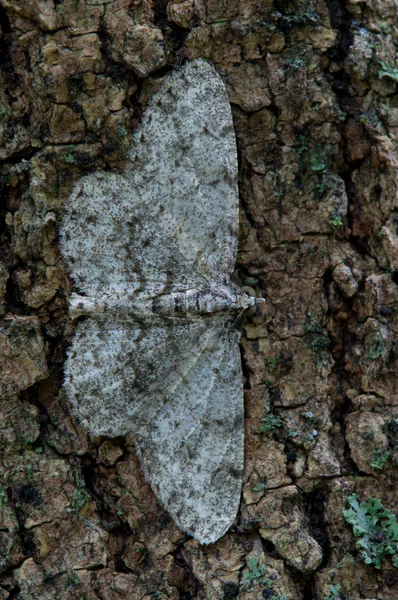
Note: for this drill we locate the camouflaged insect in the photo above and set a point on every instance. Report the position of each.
(151, 252)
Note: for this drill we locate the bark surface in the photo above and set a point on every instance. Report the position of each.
(313, 91)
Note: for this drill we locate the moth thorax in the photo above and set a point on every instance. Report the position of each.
(204, 302)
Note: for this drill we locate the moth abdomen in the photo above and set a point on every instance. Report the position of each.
(170, 305)
(194, 302)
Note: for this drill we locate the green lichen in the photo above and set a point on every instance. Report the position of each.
(3, 498)
(336, 221)
(334, 592)
(341, 115)
(317, 165)
(315, 159)
(73, 580)
(376, 529)
(296, 63)
(389, 71)
(28, 471)
(270, 422)
(310, 437)
(80, 497)
(303, 147)
(370, 119)
(255, 575)
(298, 57)
(70, 159)
(379, 459)
(300, 18)
(80, 494)
(273, 363)
(307, 415)
(121, 130)
(376, 350)
(259, 487)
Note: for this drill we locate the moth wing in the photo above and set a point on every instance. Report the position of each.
(114, 364)
(177, 386)
(185, 167)
(191, 445)
(112, 245)
(170, 221)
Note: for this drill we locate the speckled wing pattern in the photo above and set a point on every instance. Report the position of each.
(167, 224)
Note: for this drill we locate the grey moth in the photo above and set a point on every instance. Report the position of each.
(151, 252)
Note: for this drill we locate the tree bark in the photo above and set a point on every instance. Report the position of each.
(313, 91)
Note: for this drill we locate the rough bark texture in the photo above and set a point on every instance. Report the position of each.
(313, 88)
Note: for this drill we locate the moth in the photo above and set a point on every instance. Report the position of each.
(151, 252)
